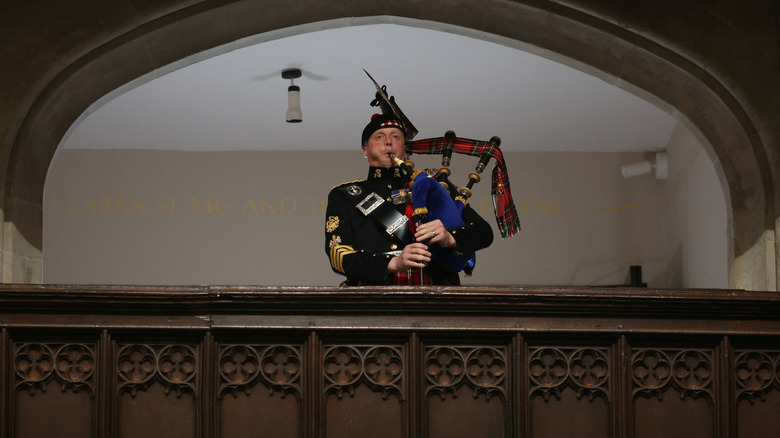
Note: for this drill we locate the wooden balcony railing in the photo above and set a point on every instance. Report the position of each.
(113, 361)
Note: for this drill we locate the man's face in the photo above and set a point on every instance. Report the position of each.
(382, 142)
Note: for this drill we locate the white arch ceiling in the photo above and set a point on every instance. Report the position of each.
(233, 98)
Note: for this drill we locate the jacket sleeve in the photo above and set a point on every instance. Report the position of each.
(345, 249)
(475, 234)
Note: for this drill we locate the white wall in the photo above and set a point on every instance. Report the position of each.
(165, 217)
(698, 216)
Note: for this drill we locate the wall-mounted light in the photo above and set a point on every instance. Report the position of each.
(661, 167)
(294, 114)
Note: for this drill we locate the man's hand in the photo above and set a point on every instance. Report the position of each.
(435, 233)
(414, 255)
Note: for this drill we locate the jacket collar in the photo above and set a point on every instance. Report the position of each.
(385, 173)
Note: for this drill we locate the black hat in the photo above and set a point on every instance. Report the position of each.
(379, 121)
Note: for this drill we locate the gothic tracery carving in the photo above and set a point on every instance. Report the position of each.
(448, 368)
(380, 367)
(75, 364)
(281, 369)
(586, 370)
(589, 370)
(34, 365)
(651, 371)
(383, 368)
(71, 365)
(239, 366)
(278, 367)
(688, 371)
(343, 367)
(140, 365)
(756, 374)
(692, 371)
(444, 370)
(176, 365)
(486, 371)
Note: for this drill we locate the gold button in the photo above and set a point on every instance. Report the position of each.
(394, 247)
(389, 186)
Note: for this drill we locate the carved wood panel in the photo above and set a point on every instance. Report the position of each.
(688, 372)
(757, 376)
(678, 385)
(282, 374)
(585, 370)
(260, 389)
(757, 373)
(54, 378)
(465, 390)
(673, 392)
(277, 367)
(379, 367)
(364, 388)
(69, 366)
(172, 366)
(157, 390)
(564, 379)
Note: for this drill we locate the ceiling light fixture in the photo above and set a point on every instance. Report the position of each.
(661, 167)
(294, 114)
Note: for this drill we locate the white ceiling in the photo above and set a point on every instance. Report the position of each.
(478, 86)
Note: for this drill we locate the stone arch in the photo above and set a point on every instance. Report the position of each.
(621, 47)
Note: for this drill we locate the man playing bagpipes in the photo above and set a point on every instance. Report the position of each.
(399, 226)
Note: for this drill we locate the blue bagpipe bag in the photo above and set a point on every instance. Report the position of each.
(428, 194)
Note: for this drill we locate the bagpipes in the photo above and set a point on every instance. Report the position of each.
(506, 214)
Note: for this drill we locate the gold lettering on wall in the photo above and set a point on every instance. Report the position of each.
(289, 206)
(317, 202)
(283, 206)
(249, 204)
(545, 206)
(257, 206)
(265, 205)
(220, 206)
(532, 206)
(120, 205)
(196, 205)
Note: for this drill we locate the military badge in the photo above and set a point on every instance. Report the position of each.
(354, 190)
(332, 224)
(401, 196)
(335, 240)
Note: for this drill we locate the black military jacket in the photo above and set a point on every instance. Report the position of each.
(361, 249)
